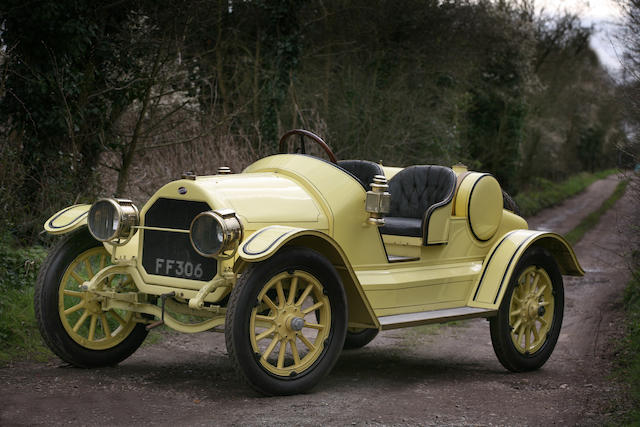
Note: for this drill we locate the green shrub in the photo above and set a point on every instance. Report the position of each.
(19, 334)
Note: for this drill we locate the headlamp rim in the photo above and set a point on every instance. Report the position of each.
(126, 228)
(232, 234)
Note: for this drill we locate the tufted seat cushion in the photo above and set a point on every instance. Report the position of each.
(415, 192)
(362, 170)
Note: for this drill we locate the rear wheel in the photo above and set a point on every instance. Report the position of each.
(286, 322)
(72, 321)
(359, 337)
(526, 329)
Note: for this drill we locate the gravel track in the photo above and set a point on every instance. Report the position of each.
(428, 375)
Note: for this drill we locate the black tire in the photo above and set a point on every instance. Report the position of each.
(253, 300)
(520, 349)
(112, 347)
(510, 204)
(358, 338)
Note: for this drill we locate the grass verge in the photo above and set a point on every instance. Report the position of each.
(19, 335)
(543, 193)
(592, 219)
(629, 356)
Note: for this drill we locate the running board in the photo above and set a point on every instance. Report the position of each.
(434, 316)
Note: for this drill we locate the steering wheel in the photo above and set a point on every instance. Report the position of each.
(313, 136)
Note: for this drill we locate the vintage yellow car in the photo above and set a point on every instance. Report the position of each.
(298, 257)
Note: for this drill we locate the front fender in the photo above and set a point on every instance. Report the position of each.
(67, 220)
(503, 258)
(267, 241)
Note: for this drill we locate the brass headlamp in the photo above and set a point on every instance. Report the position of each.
(113, 220)
(216, 234)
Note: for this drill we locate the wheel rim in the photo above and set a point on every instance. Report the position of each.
(531, 310)
(290, 323)
(81, 312)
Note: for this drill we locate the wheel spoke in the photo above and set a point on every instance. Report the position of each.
(536, 336)
(306, 342)
(540, 291)
(292, 290)
(105, 326)
(270, 303)
(87, 264)
(527, 338)
(304, 295)
(92, 327)
(117, 317)
(530, 279)
(74, 308)
(517, 325)
(516, 312)
(542, 322)
(544, 303)
(81, 320)
(280, 291)
(77, 278)
(103, 261)
(294, 352)
(314, 326)
(264, 318)
(313, 307)
(283, 348)
(71, 293)
(266, 333)
(270, 348)
(536, 279)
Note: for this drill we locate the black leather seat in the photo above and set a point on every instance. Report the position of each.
(417, 191)
(362, 170)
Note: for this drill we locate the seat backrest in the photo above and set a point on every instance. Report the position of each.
(415, 188)
(363, 170)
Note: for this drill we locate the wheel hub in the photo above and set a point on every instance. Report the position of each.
(296, 323)
(289, 321)
(532, 309)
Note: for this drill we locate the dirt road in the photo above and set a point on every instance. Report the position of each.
(427, 375)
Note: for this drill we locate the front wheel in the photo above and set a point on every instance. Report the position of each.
(72, 322)
(526, 329)
(286, 322)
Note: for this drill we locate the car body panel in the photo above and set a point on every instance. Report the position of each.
(503, 258)
(67, 219)
(297, 200)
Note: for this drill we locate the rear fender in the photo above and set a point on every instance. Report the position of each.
(504, 256)
(67, 220)
(267, 241)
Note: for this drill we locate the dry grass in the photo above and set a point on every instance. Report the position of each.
(163, 159)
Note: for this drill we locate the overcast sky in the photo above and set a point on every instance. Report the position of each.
(605, 15)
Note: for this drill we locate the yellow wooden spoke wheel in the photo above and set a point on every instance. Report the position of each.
(290, 336)
(72, 321)
(81, 312)
(531, 310)
(286, 321)
(526, 328)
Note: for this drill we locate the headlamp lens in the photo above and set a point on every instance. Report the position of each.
(216, 233)
(113, 220)
(207, 234)
(103, 220)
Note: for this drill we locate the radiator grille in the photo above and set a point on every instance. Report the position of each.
(170, 253)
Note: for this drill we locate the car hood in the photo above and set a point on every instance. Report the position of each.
(259, 199)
